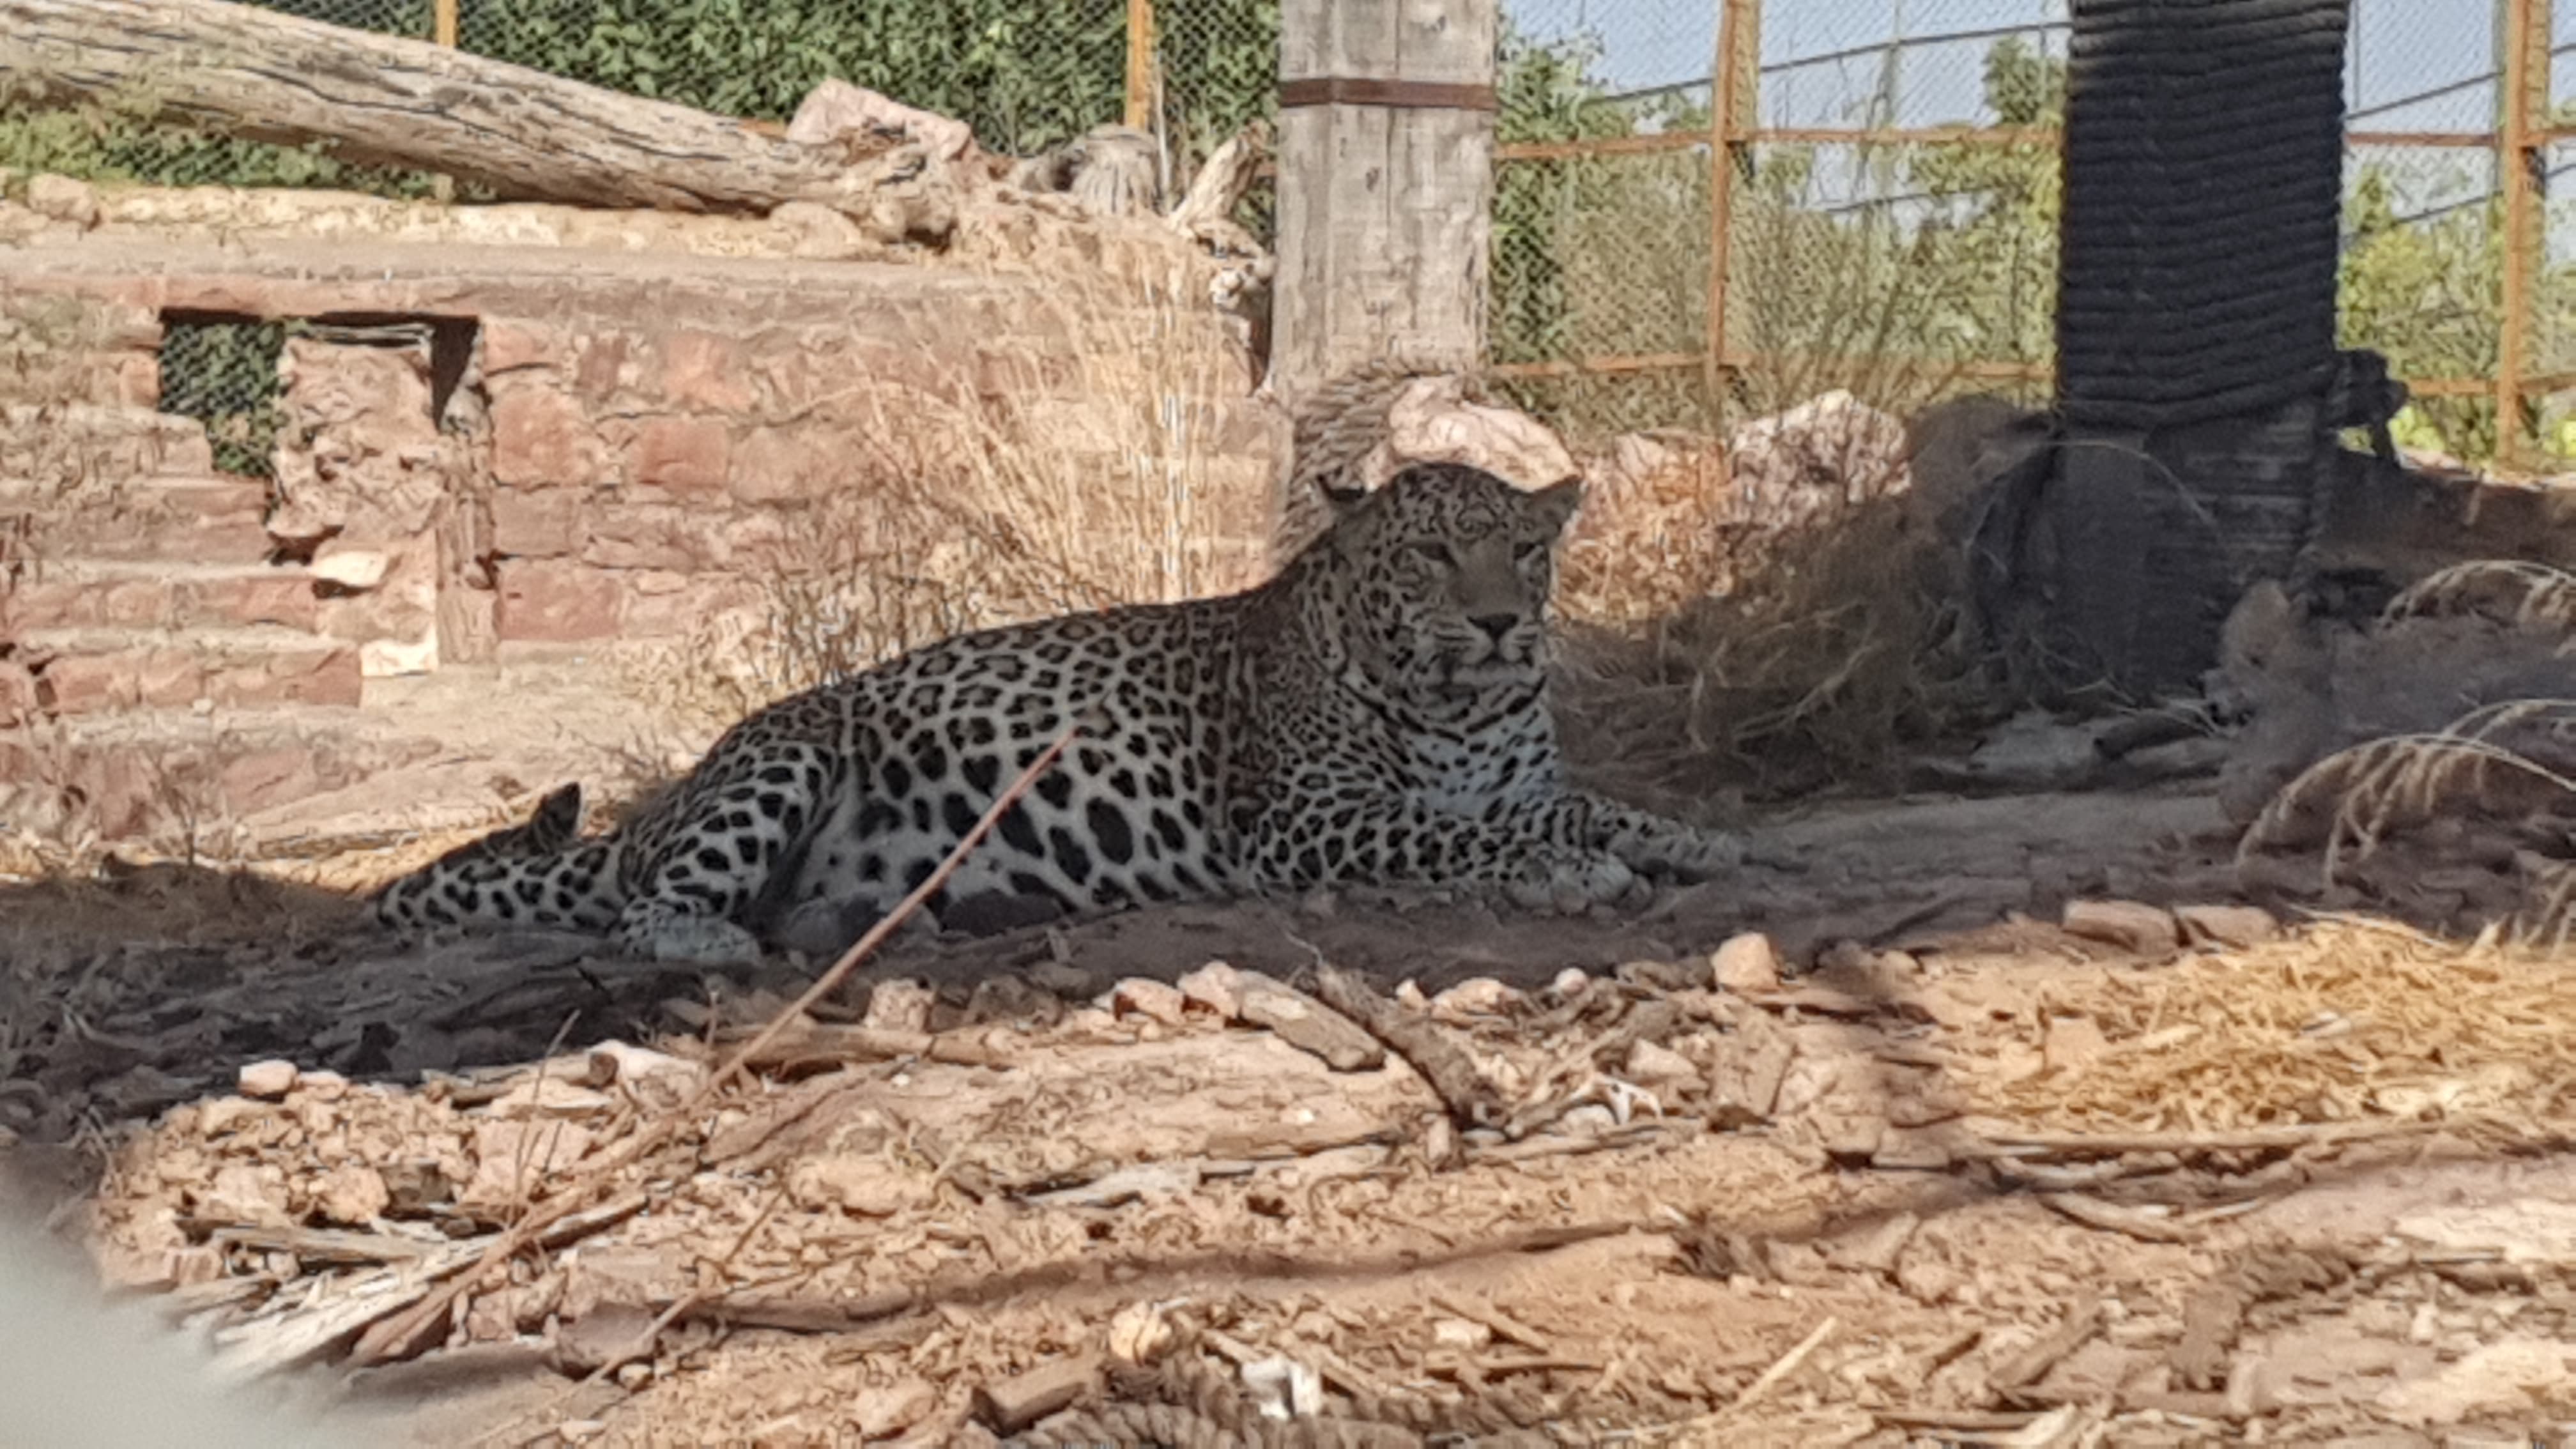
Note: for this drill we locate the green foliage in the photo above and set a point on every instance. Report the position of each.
(1602, 256)
(1025, 76)
(2424, 293)
(224, 374)
(121, 142)
(1220, 68)
(1607, 255)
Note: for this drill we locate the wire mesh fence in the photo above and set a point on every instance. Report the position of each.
(1026, 77)
(223, 372)
(1888, 220)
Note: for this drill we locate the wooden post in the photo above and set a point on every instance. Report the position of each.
(442, 31)
(2523, 53)
(1386, 184)
(1734, 111)
(1140, 64)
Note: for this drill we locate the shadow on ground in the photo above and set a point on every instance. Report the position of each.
(144, 988)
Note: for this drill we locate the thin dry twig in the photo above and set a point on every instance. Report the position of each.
(1786, 1365)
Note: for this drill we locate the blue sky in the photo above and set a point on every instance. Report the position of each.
(2412, 65)
(2400, 48)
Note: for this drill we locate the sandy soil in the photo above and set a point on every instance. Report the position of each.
(1962, 1177)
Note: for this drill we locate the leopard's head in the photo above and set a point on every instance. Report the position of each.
(1445, 577)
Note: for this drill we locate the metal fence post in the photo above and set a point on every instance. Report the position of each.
(1140, 64)
(1734, 111)
(2525, 90)
(442, 31)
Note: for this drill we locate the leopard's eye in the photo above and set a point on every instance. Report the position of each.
(1535, 548)
(1432, 551)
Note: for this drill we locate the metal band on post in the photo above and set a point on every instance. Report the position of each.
(1408, 95)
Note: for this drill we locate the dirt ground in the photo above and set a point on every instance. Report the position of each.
(1922, 1166)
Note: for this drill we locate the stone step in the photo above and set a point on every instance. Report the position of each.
(95, 593)
(172, 775)
(81, 671)
(194, 518)
(88, 440)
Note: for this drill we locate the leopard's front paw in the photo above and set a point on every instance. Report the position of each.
(1572, 884)
(1687, 855)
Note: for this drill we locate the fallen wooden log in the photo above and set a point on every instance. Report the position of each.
(268, 76)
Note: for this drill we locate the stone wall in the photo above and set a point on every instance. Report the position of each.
(485, 448)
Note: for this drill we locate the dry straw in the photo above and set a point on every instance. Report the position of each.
(2346, 1022)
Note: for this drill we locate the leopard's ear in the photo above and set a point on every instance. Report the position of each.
(557, 821)
(1557, 501)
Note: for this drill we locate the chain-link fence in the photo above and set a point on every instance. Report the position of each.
(1889, 220)
(1024, 76)
(223, 372)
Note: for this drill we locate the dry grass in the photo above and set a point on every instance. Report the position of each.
(2497, 777)
(1780, 643)
(2522, 594)
(1069, 483)
(1779, 653)
(2381, 785)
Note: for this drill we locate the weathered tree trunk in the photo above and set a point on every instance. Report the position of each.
(273, 77)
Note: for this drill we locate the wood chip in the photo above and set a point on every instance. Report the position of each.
(2138, 1222)
(1015, 1403)
(1309, 1025)
(2033, 1363)
(1502, 1324)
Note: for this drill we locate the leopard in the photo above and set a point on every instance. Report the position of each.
(1376, 712)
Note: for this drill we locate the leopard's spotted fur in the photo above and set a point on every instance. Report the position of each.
(1377, 712)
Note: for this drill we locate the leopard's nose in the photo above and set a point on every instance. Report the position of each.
(1496, 625)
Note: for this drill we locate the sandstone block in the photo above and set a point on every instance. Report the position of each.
(63, 199)
(603, 366)
(270, 597)
(262, 778)
(59, 602)
(537, 522)
(267, 1080)
(555, 599)
(645, 536)
(323, 672)
(2132, 925)
(2235, 927)
(684, 455)
(781, 465)
(541, 437)
(1746, 963)
(513, 344)
(703, 371)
